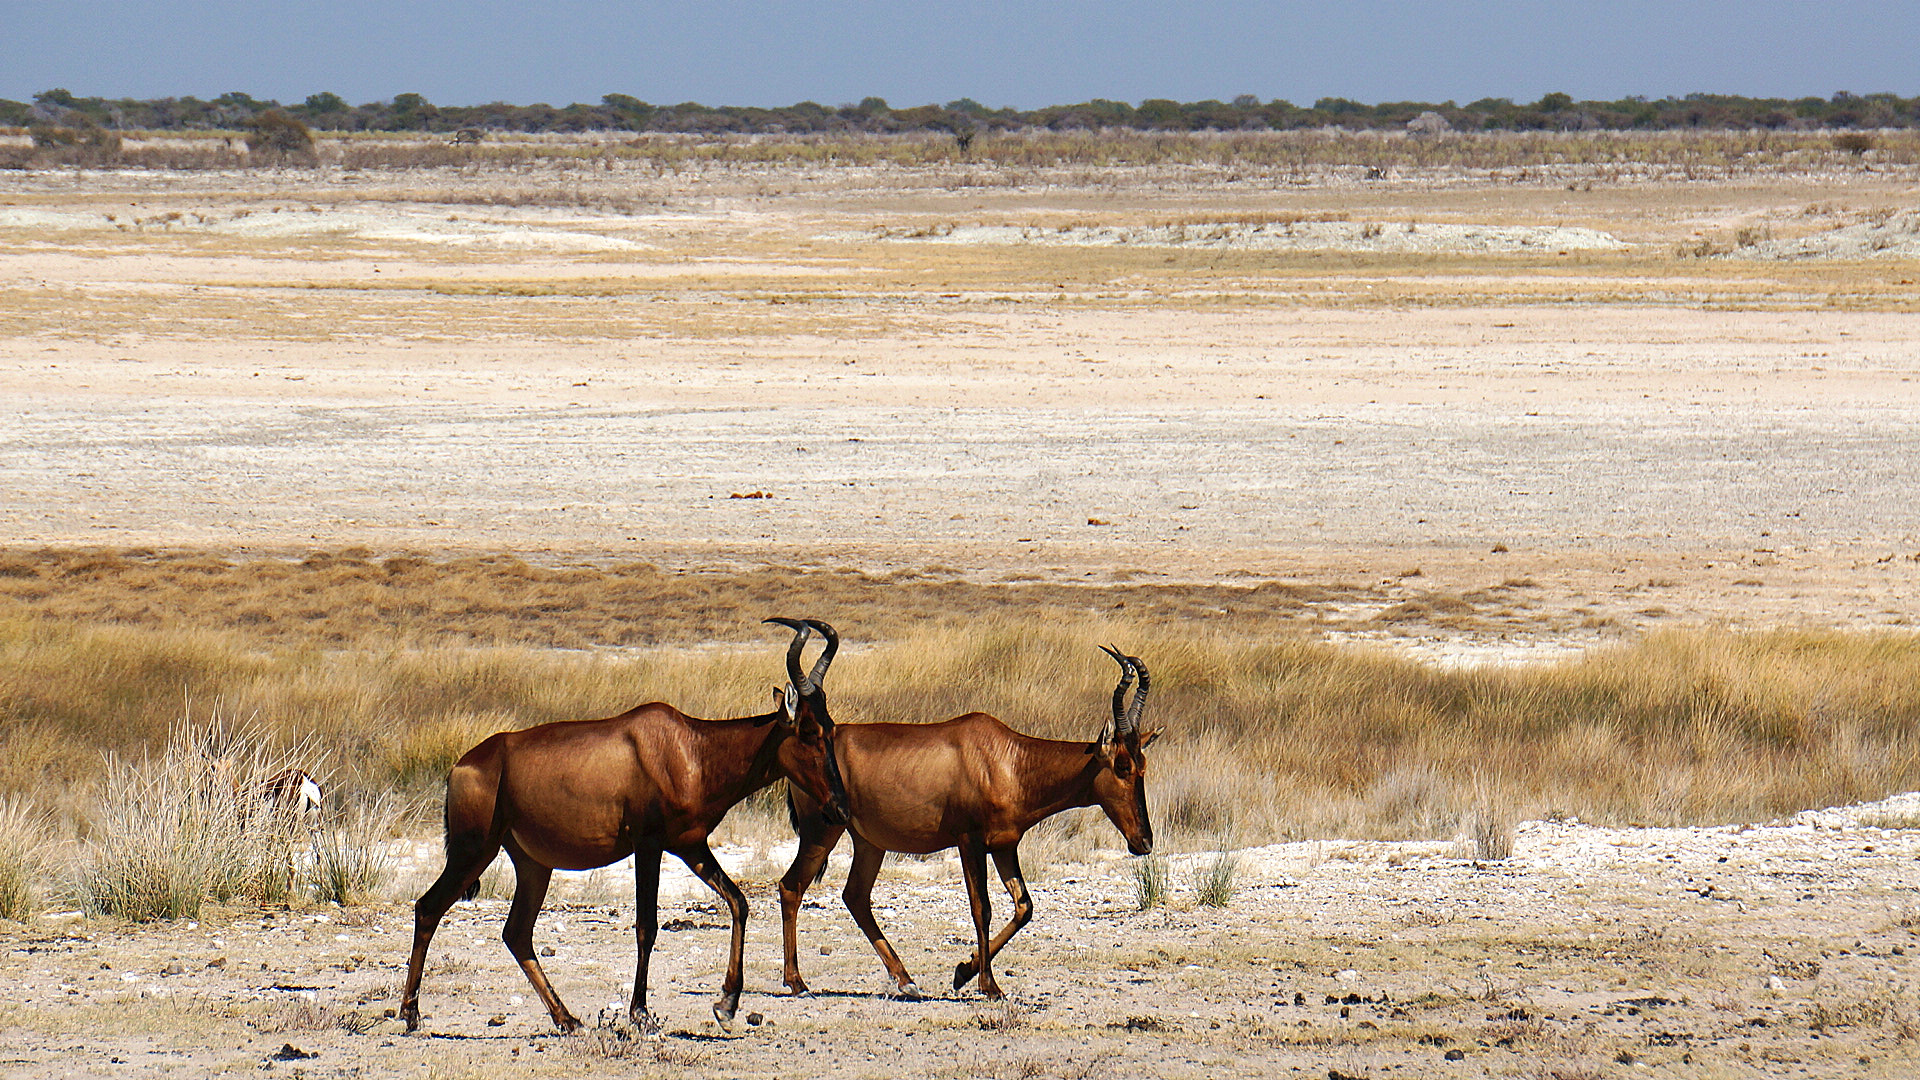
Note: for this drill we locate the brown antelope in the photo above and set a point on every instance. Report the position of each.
(971, 783)
(291, 796)
(580, 794)
(287, 798)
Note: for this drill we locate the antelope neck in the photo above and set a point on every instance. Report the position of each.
(1058, 776)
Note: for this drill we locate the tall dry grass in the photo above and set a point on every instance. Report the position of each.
(25, 834)
(351, 861)
(184, 825)
(1267, 737)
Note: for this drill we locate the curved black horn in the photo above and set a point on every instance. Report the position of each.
(801, 632)
(826, 656)
(1139, 705)
(1120, 691)
(1116, 726)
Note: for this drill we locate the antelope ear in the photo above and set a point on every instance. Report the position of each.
(786, 702)
(1147, 739)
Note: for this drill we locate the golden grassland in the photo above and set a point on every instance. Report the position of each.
(394, 667)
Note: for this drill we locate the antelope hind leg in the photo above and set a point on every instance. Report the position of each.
(465, 864)
(529, 892)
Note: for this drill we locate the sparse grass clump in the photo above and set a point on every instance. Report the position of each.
(1489, 834)
(184, 826)
(1150, 881)
(350, 859)
(1213, 879)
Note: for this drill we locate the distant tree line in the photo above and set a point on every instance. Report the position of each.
(963, 118)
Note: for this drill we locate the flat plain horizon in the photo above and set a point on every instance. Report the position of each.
(772, 54)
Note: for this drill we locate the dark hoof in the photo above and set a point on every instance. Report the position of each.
(723, 1010)
(963, 974)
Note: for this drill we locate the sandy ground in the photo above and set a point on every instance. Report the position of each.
(1036, 379)
(210, 361)
(1782, 949)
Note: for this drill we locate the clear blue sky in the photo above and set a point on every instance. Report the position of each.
(1024, 54)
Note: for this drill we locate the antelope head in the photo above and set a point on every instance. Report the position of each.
(807, 754)
(1120, 785)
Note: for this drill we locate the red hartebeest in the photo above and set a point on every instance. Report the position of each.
(291, 795)
(580, 794)
(972, 783)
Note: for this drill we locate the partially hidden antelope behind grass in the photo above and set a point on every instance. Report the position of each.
(971, 783)
(581, 794)
(286, 801)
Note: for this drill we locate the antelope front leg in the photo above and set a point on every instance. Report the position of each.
(807, 862)
(700, 860)
(1008, 863)
(646, 927)
(973, 863)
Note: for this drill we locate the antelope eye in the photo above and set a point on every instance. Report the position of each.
(1122, 767)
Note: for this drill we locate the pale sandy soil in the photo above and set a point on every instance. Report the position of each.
(578, 365)
(379, 360)
(1777, 950)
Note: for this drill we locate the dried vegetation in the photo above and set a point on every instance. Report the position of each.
(395, 666)
(1690, 154)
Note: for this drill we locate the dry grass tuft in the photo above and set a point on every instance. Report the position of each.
(1489, 834)
(184, 827)
(1150, 881)
(351, 863)
(1213, 879)
(1004, 1015)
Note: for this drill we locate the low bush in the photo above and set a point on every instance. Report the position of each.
(278, 138)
